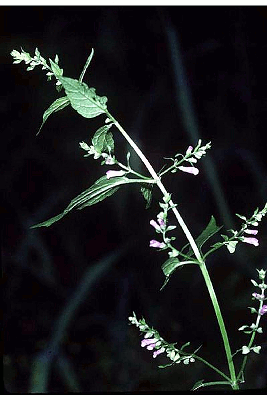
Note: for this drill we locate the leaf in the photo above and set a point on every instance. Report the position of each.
(83, 99)
(245, 349)
(198, 384)
(184, 345)
(57, 105)
(254, 282)
(166, 365)
(256, 349)
(147, 193)
(101, 189)
(208, 232)
(55, 68)
(253, 310)
(168, 268)
(231, 246)
(88, 61)
(103, 140)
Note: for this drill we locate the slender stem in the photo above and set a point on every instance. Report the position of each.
(132, 171)
(212, 367)
(251, 339)
(195, 250)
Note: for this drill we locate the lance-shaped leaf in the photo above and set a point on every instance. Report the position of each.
(103, 140)
(57, 105)
(88, 61)
(147, 193)
(168, 268)
(83, 99)
(211, 229)
(101, 189)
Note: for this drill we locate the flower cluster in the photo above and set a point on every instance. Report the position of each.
(153, 341)
(247, 228)
(108, 158)
(191, 156)
(262, 309)
(161, 227)
(38, 60)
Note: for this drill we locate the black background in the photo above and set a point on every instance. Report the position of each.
(66, 305)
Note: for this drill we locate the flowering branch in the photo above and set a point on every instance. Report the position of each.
(191, 156)
(238, 236)
(254, 327)
(88, 104)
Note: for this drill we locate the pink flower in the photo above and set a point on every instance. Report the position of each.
(155, 225)
(189, 150)
(189, 170)
(251, 231)
(150, 343)
(155, 243)
(258, 296)
(157, 352)
(109, 160)
(263, 310)
(112, 174)
(161, 222)
(251, 240)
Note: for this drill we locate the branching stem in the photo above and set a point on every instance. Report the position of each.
(194, 247)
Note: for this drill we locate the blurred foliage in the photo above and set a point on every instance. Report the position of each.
(221, 53)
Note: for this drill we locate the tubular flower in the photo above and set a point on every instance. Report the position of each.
(251, 231)
(251, 240)
(189, 170)
(258, 296)
(155, 243)
(263, 310)
(113, 174)
(149, 343)
(159, 351)
(155, 225)
(189, 150)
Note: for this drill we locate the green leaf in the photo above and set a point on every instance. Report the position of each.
(88, 61)
(254, 282)
(101, 189)
(168, 268)
(245, 349)
(231, 246)
(170, 265)
(103, 140)
(198, 384)
(184, 345)
(147, 193)
(253, 310)
(166, 365)
(83, 99)
(256, 349)
(57, 105)
(211, 229)
(202, 384)
(55, 68)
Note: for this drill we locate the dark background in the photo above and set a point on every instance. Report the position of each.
(172, 75)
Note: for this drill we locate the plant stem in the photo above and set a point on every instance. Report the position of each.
(194, 248)
(251, 339)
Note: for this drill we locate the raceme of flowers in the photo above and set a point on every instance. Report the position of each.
(247, 232)
(154, 342)
(161, 227)
(191, 156)
(262, 309)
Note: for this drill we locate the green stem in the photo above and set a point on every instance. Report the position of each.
(251, 339)
(195, 250)
(132, 171)
(212, 367)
